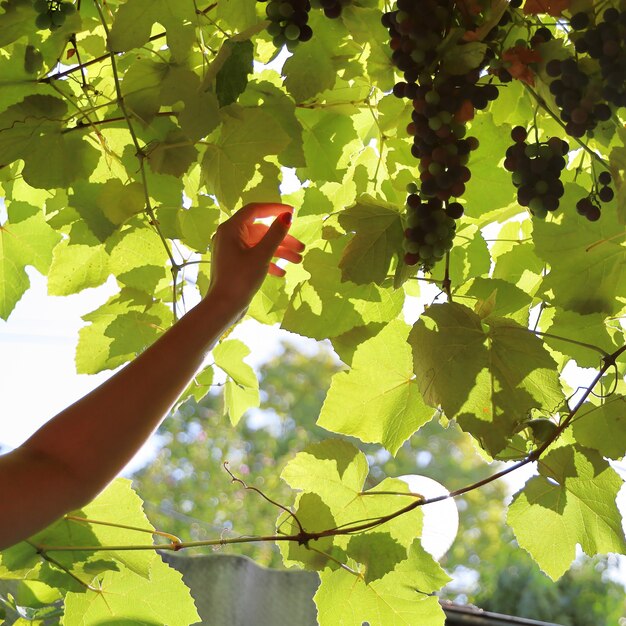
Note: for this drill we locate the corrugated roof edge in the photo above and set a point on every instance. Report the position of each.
(458, 615)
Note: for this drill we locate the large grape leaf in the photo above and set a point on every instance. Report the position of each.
(33, 131)
(378, 399)
(314, 516)
(399, 598)
(300, 81)
(124, 597)
(336, 471)
(378, 233)
(487, 377)
(325, 306)
(25, 239)
(587, 260)
(247, 136)
(571, 502)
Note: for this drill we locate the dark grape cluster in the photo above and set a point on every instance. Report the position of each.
(52, 13)
(331, 8)
(416, 29)
(536, 171)
(605, 42)
(288, 22)
(602, 191)
(430, 229)
(576, 96)
(443, 102)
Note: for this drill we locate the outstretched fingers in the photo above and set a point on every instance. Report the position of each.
(256, 232)
(283, 252)
(259, 210)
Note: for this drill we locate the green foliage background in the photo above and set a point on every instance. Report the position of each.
(124, 165)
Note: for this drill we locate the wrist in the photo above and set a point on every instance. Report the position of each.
(225, 303)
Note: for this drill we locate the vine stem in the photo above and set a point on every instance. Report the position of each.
(139, 153)
(80, 67)
(235, 479)
(160, 533)
(304, 537)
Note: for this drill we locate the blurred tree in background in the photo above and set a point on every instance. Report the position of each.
(188, 492)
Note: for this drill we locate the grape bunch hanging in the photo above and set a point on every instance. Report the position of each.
(444, 99)
(429, 40)
(288, 22)
(52, 13)
(289, 19)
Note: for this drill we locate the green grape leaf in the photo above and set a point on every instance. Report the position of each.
(378, 400)
(77, 267)
(283, 109)
(198, 224)
(314, 516)
(172, 156)
(119, 202)
(587, 260)
(300, 81)
(505, 299)
(138, 327)
(377, 237)
(142, 86)
(396, 599)
(571, 502)
(237, 15)
(138, 258)
(603, 427)
(23, 124)
(324, 141)
(246, 137)
(379, 552)
(33, 131)
(232, 77)
(58, 160)
(590, 328)
(26, 239)
(325, 306)
(485, 174)
(336, 471)
(199, 386)
(487, 378)
(134, 20)
(366, 29)
(238, 399)
(119, 504)
(460, 59)
(124, 597)
(242, 387)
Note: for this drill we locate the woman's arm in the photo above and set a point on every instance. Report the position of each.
(69, 460)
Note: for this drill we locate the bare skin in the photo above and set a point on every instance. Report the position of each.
(70, 459)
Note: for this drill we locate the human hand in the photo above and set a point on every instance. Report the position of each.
(243, 250)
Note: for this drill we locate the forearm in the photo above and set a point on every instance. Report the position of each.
(95, 437)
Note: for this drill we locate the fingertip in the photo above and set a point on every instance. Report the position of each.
(274, 270)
